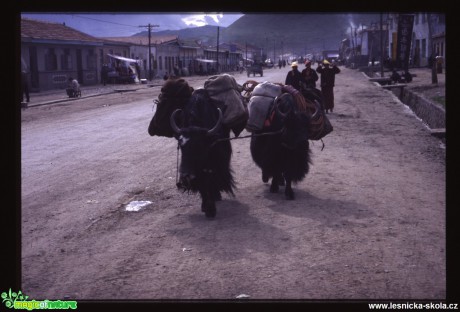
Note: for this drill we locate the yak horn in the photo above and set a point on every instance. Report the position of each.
(216, 127)
(277, 99)
(172, 122)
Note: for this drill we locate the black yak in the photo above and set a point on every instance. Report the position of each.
(205, 150)
(281, 149)
(201, 121)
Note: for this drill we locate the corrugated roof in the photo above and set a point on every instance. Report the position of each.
(34, 29)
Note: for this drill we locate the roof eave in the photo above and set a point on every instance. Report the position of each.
(55, 41)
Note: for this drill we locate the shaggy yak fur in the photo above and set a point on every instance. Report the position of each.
(284, 156)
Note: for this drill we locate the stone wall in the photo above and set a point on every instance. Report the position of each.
(431, 113)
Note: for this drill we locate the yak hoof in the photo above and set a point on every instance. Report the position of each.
(209, 209)
(210, 212)
(274, 187)
(289, 194)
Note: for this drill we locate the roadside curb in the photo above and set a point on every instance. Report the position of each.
(67, 99)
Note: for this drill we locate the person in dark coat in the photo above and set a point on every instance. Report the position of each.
(327, 73)
(294, 77)
(309, 75)
(407, 76)
(395, 77)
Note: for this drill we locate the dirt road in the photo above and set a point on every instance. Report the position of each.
(368, 222)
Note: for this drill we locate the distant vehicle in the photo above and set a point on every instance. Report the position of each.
(269, 64)
(255, 69)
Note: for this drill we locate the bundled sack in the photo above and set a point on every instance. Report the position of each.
(262, 98)
(225, 92)
(174, 95)
(320, 125)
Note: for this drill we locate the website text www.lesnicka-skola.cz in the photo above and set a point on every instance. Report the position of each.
(413, 306)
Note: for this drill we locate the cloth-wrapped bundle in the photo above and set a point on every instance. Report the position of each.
(225, 91)
(259, 105)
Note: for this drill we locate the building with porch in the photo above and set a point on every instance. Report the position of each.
(53, 52)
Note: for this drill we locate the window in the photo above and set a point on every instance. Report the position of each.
(66, 60)
(160, 62)
(50, 59)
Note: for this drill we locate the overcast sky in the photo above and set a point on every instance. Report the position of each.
(120, 25)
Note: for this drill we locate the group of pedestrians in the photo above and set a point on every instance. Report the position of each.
(308, 77)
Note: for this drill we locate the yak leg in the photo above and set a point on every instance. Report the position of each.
(208, 200)
(281, 180)
(208, 206)
(210, 210)
(265, 176)
(275, 186)
(288, 192)
(217, 196)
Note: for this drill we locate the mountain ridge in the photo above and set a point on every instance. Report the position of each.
(297, 33)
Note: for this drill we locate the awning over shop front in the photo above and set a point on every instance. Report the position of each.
(206, 61)
(124, 59)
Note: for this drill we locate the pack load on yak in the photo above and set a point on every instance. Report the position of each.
(226, 94)
(262, 97)
(260, 102)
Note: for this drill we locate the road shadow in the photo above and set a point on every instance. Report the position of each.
(329, 212)
(233, 234)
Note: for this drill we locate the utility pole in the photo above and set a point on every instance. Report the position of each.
(282, 51)
(149, 27)
(217, 69)
(246, 59)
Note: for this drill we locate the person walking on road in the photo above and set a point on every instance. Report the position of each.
(309, 75)
(327, 83)
(294, 77)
